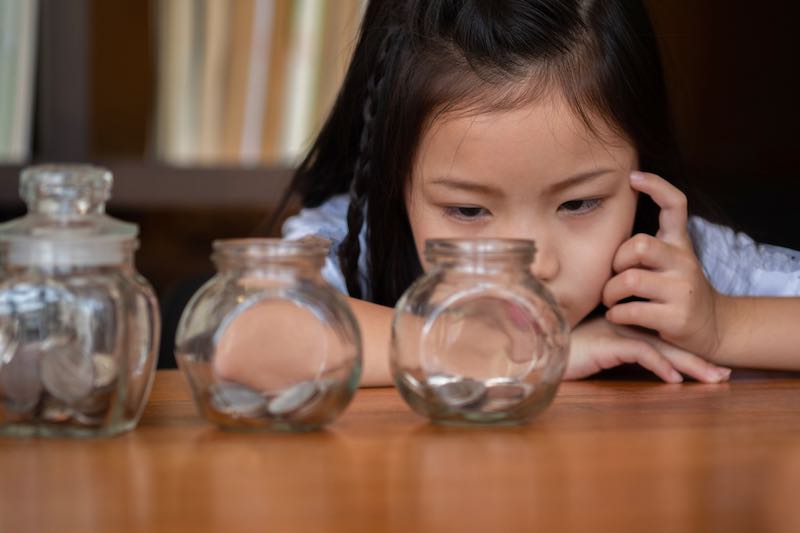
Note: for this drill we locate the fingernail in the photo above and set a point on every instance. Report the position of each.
(675, 377)
(723, 374)
(717, 374)
(637, 176)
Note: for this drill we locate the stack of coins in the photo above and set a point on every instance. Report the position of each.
(57, 383)
(492, 395)
(236, 401)
(294, 398)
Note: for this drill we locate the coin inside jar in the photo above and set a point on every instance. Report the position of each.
(503, 393)
(96, 404)
(293, 398)
(67, 373)
(105, 370)
(411, 382)
(459, 392)
(235, 400)
(19, 380)
(87, 420)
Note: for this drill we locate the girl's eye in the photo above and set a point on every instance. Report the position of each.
(466, 212)
(580, 207)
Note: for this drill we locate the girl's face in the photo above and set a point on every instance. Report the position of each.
(534, 173)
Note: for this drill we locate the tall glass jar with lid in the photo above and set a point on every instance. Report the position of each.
(79, 326)
(267, 343)
(477, 339)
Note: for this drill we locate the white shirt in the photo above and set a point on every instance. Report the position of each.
(733, 262)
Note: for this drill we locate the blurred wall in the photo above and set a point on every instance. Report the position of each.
(731, 71)
(121, 57)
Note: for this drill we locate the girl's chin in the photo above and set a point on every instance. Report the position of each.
(573, 323)
(570, 317)
(574, 318)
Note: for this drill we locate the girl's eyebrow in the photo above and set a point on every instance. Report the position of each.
(577, 179)
(488, 190)
(469, 186)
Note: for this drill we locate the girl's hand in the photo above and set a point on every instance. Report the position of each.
(681, 305)
(598, 344)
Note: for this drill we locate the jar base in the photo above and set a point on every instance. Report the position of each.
(272, 428)
(303, 407)
(62, 431)
(433, 405)
(481, 423)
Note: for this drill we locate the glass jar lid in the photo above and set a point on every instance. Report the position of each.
(66, 220)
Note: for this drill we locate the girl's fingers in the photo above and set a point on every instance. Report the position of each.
(686, 362)
(636, 282)
(642, 353)
(674, 216)
(650, 315)
(694, 366)
(644, 250)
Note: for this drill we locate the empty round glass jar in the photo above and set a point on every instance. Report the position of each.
(79, 327)
(267, 343)
(478, 339)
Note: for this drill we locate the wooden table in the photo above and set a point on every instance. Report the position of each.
(606, 456)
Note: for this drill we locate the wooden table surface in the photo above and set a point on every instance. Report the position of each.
(606, 456)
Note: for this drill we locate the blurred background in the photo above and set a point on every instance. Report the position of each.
(201, 108)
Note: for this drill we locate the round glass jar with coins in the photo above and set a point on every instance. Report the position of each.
(79, 327)
(477, 339)
(267, 343)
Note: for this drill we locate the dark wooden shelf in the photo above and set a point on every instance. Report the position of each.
(141, 185)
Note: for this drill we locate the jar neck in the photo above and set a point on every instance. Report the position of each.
(271, 257)
(262, 268)
(483, 266)
(68, 255)
(481, 256)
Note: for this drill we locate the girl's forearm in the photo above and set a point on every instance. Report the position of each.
(759, 332)
(376, 326)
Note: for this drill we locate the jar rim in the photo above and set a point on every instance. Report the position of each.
(495, 248)
(266, 247)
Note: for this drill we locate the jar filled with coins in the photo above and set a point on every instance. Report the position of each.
(267, 343)
(78, 326)
(477, 339)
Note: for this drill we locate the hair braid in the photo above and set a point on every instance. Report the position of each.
(350, 248)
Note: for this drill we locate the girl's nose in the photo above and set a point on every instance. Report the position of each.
(545, 265)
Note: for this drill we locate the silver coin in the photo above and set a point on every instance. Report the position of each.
(105, 370)
(68, 373)
(460, 392)
(96, 404)
(504, 393)
(20, 383)
(88, 420)
(437, 380)
(236, 400)
(412, 383)
(293, 398)
(7, 343)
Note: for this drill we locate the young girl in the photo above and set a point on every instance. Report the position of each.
(531, 119)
